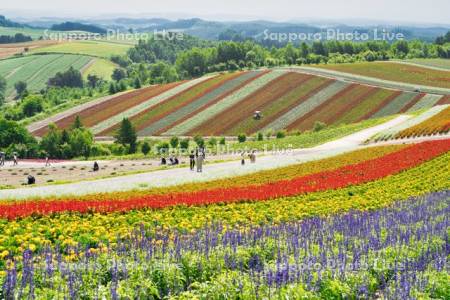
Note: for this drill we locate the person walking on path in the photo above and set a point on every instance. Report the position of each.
(253, 157)
(200, 159)
(47, 161)
(192, 160)
(15, 162)
(243, 158)
(96, 167)
(2, 158)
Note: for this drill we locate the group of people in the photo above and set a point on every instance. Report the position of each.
(173, 161)
(3, 159)
(251, 156)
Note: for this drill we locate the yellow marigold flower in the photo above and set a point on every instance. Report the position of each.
(4, 254)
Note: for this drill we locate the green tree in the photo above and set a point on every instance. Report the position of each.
(80, 142)
(21, 89)
(51, 142)
(93, 81)
(71, 78)
(2, 90)
(77, 124)
(32, 105)
(14, 133)
(145, 148)
(318, 126)
(174, 142)
(137, 83)
(184, 144)
(242, 138)
(126, 135)
(199, 141)
(118, 74)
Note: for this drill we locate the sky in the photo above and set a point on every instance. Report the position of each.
(405, 11)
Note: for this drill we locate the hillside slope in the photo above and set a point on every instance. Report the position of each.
(224, 104)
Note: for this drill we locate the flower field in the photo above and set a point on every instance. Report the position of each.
(437, 124)
(384, 248)
(224, 104)
(413, 121)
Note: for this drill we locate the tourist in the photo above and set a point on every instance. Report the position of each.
(96, 167)
(15, 162)
(31, 180)
(200, 158)
(163, 161)
(253, 157)
(192, 160)
(47, 161)
(2, 158)
(243, 158)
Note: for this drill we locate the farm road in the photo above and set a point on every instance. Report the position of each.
(211, 171)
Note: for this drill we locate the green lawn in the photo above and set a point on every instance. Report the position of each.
(395, 72)
(93, 48)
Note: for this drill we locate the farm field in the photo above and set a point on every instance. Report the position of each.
(102, 49)
(431, 62)
(100, 67)
(34, 33)
(237, 234)
(224, 104)
(36, 70)
(8, 50)
(395, 72)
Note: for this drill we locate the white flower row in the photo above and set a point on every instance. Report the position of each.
(307, 106)
(223, 104)
(429, 100)
(391, 132)
(135, 110)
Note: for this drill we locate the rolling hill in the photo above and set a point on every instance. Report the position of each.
(36, 70)
(224, 104)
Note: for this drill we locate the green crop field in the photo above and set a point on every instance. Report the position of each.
(36, 70)
(395, 72)
(101, 67)
(34, 33)
(92, 48)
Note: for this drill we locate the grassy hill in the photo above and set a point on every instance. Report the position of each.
(225, 104)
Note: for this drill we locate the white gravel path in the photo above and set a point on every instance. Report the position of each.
(212, 171)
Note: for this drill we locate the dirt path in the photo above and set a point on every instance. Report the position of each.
(212, 171)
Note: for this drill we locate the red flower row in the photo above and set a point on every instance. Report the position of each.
(345, 176)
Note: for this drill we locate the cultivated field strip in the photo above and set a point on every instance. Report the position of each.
(437, 124)
(307, 106)
(245, 108)
(392, 132)
(152, 115)
(102, 126)
(200, 103)
(333, 108)
(225, 103)
(372, 80)
(427, 101)
(395, 105)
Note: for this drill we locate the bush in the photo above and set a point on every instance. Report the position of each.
(99, 150)
(281, 134)
(318, 126)
(145, 148)
(212, 142)
(174, 142)
(184, 144)
(222, 141)
(199, 141)
(163, 148)
(242, 138)
(260, 136)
